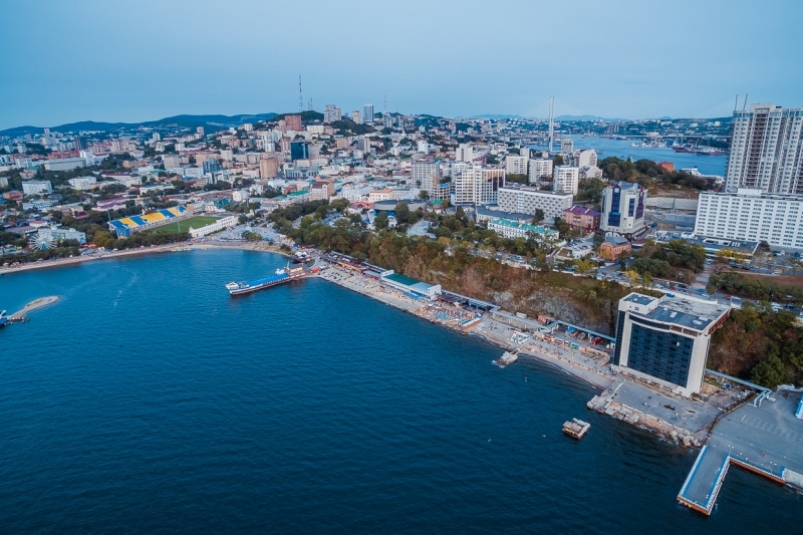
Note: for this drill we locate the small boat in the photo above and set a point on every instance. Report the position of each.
(576, 428)
(3, 318)
(506, 359)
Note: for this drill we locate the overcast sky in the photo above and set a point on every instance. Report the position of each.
(142, 60)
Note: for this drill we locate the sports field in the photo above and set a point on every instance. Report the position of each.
(184, 226)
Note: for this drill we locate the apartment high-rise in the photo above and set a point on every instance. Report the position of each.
(478, 185)
(566, 179)
(766, 150)
(293, 122)
(368, 113)
(516, 165)
(331, 113)
(464, 153)
(426, 175)
(540, 168)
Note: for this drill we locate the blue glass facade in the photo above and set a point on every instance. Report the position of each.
(661, 354)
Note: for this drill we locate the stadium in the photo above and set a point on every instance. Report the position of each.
(126, 226)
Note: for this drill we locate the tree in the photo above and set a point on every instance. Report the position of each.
(764, 246)
(423, 194)
(557, 160)
(381, 220)
(402, 213)
(584, 266)
(632, 277)
(539, 216)
(770, 372)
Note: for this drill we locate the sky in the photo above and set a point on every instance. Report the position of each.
(144, 60)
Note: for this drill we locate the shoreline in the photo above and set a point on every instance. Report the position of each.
(552, 351)
(66, 262)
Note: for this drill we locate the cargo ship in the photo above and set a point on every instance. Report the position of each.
(281, 275)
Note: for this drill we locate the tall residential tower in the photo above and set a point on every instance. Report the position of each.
(766, 150)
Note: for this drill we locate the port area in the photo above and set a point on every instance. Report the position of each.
(765, 438)
(21, 315)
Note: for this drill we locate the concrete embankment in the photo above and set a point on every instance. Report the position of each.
(33, 305)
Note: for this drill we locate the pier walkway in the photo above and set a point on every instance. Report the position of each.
(767, 440)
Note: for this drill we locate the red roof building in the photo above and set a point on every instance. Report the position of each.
(583, 219)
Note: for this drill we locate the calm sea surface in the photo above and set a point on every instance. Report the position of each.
(708, 165)
(149, 401)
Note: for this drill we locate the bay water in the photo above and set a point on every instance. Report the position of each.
(148, 400)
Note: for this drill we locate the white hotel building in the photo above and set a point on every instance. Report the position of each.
(751, 215)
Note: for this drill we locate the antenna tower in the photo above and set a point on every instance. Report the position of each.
(300, 96)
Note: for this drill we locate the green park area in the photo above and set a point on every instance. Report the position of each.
(184, 225)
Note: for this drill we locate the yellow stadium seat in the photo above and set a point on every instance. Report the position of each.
(127, 222)
(175, 211)
(154, 217)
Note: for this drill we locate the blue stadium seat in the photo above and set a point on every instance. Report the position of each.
(138, 220)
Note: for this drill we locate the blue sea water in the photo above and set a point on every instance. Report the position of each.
(605, 147)
(148, 400)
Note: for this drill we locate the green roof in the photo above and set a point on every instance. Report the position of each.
(401, 279)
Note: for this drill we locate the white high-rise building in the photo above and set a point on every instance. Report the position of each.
(426, 175)
(356, 117)
(540, 168)
(623, 210)
(331, 113)
(566, 146)
(478, 185)
(766, 150)
(516, 165)
(524, 151)
(586, 158)
(566, 179)
(464, 153)
(368, 113)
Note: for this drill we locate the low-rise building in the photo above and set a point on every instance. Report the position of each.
(36, 187)
(614, 246)
(517, 229)
(666, 340)
(528, 199)
(582, 219)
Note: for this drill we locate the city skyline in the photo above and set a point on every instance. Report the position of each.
(135, 63)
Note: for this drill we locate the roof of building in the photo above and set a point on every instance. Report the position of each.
(616, 240)
(581, 210)
(684, 311)
(523, 226)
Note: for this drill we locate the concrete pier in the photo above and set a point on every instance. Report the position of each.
(33, 305)
(767, 440)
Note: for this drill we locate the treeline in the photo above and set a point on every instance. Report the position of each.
(649, 174)
(759, 344)
(64, 249)
(760, 288)
(674, 259)
(451, 262)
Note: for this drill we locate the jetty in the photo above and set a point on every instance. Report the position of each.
(765, 438)
(21, 315)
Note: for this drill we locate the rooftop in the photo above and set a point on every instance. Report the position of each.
(684, 311)
(523, 226)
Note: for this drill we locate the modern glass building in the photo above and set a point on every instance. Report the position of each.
(666, 340)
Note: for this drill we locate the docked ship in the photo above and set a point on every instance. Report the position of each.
(280, 276)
